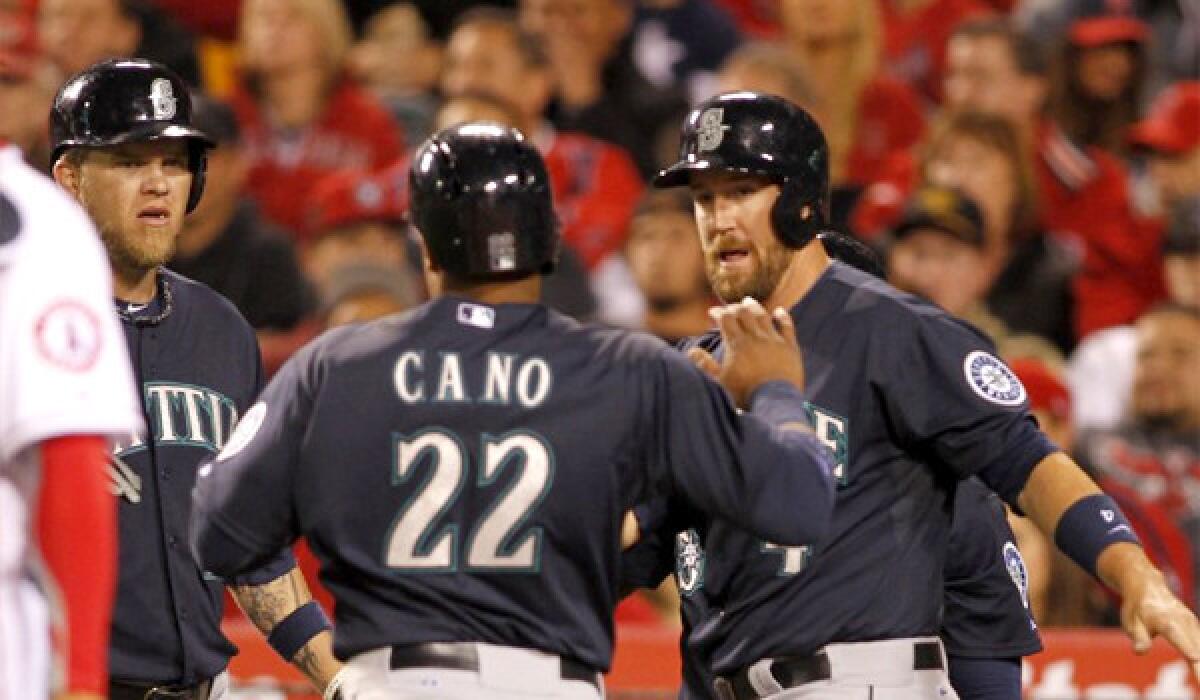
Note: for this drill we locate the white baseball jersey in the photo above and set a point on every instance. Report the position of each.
(64, 370)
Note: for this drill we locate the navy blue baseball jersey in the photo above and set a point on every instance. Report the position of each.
(197, 363)
(986, 610)
(910, 400)
(987, 613)
(461, 472)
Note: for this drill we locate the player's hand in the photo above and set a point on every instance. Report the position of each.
(630, 532)
(759, 348)
(78, 696)
(1149, 609)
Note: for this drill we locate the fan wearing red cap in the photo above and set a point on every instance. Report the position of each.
(1170, 134)
(1099, 74)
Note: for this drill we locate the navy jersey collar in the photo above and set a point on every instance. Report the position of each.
(153, 312)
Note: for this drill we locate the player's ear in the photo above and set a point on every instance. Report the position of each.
(66, 174)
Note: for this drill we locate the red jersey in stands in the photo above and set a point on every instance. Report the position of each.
(915, 42)
(354, 132)
(596, 187)
(1084, 200)
(889, 121)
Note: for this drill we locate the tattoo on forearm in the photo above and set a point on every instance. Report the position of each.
(269, 603)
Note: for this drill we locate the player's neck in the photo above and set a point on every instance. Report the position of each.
(527, 290)
(807, 266)
(138, 286)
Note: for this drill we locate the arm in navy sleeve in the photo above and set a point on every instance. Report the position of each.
(242, 511)
(955, 405)
(763, 470)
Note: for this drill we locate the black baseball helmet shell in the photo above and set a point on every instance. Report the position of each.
(480, 197)
(755, 133)
(127, 100)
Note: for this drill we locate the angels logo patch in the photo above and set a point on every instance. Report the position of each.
(689, 562)
(68, 336)
(992, 380)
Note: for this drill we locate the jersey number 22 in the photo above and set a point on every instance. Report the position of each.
(495, 543)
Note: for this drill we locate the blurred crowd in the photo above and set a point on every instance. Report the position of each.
(1030, 165)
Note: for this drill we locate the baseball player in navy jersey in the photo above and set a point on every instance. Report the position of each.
(462, 470)
(987, 625)
(911, 401)
(124, 147)
(65, 388)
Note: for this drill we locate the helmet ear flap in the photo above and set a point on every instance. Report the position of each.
(797, 220)
(198, 161)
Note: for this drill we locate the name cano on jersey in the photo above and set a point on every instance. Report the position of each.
(508, 379)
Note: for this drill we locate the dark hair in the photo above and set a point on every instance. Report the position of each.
(529, 46)
(1027, 54)
(1089, 121)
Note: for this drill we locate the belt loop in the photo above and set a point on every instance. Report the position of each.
(762, 680)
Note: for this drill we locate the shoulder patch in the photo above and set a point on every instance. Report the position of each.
(992, 380)
(69, 336)
(245, 431)
(10, 220)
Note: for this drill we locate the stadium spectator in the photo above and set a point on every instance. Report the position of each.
(598, 87)
(1109, 354)
(301, 116)
(1174, 28)
(938, 251)
(226, 244)
(78, 33)
(1099, 72)
(596, 185)
(866, 115)
(1170, 138)
(1029, 285)
(25, 90)
(364, 292)
(1082, 192)
(667, 264)
(356, 219)
(1155, 453)
(768, 66)
(683, 43)
(398, 61)
(915, 35)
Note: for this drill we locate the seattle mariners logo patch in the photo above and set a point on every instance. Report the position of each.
(689, 562)
(993, 380)
(1016, 571)
(711, 131)
(162, 98)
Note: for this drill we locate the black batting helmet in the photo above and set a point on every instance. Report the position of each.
(127, 100)
(757, 134)
(480, 197)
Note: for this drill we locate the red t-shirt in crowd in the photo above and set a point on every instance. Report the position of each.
(890, 121)
(354, 132)
(915, 43)
(1084, 200)
(596, 188)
